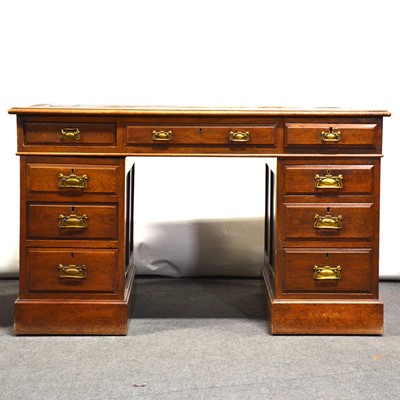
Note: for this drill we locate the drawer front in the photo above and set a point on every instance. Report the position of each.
(329, 221)
(328, 270)
(79, 221)
(69, 133)
(328, 179)
(197, 135)
(60, 270)
(331, 135)
(71, 178)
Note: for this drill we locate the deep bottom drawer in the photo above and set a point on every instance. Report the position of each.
(328, 270)
(61, 270)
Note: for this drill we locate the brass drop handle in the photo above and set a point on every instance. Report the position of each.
(327, 273)
(70, 134)
(239, 136)
(72, 221)
(327, 221)
(331, 136)
(72, 181)
(72, 271)
(328, 181)
(162, 136)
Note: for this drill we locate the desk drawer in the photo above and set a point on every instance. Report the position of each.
(327, 135)
(65, 221)
(328, 270)
(198, 135)
(328, 179)
(69, 133)
(73, 178)
(61, 270)
(329, 221)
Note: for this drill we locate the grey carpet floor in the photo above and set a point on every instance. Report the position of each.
(200, 339)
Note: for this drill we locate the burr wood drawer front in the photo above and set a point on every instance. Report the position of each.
(72, 221)
(72, 178)
(323, 179)
(327, 270)
(328, 221)
(201, 135)
(331, 135)
(72, 270)
(69, 133)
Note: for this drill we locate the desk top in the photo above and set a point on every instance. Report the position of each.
(49, 109)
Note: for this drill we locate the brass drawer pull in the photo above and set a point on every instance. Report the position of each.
(72, 181)
(72, 271)
(239, 136)
(328, 181)
(327, 222)
(327, 273)
(72, 221)
(70, 134)
(331, 136)
(162, 136)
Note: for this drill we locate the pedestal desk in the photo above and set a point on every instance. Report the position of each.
(321, 225)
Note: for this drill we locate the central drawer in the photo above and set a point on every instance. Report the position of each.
(201, 135)
(65, 221)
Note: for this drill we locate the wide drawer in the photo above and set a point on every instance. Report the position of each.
(328, 179)
(69, 133)
(73, 178)
(201, 135)
(78, 221)
(60, 270)
(327, 135)
(328, 270)
(328, 221)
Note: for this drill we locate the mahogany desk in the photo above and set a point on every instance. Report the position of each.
(321, 225)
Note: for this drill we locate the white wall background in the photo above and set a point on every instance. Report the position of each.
(155, 52)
